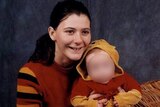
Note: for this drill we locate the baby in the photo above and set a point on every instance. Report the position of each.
(100, 72)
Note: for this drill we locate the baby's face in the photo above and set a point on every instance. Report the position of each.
(100, 66)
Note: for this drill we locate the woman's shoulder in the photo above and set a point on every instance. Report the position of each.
(30, 68)
(33, 65)
(28, 85)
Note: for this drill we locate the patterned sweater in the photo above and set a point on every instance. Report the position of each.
(44, 85)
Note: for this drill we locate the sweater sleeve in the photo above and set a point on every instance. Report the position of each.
(131, 83)
(28, 91)
(80, 93)
(83, 101)
(132, 94)
(125, 99)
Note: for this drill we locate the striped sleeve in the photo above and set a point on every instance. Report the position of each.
(28, 91)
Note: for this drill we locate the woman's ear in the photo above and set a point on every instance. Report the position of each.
(51, 33)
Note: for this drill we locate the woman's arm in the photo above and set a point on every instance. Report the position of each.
(83, 101)
(28, 89)
(82, 96)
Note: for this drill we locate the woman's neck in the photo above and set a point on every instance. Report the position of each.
(64, 62)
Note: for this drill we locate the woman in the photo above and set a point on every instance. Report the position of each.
(46, 80)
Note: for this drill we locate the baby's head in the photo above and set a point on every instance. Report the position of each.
(99, 65)
(100, 62)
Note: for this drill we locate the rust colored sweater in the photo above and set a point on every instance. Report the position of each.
(125, 81)
(85, 85)
(47, 86)
(82, 90)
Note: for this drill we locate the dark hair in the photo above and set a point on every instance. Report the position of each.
(66, 8)
(44, 51)
(45, 47)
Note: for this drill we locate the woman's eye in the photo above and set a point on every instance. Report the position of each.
(70, 32)
(85, 32)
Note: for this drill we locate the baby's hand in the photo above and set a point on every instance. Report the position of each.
(95, 96)
(115, 103)
(100, 105)
(102, 102)
(120, 89)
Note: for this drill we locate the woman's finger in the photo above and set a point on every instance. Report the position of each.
(94, 96)
(100, 105)
(121, 89)
(115, 103)
(93, 92)
(102, 101)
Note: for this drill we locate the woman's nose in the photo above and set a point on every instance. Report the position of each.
(78, 38)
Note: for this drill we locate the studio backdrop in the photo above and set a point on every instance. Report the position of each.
(133, 26)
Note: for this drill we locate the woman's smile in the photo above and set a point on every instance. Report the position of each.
(77, 49)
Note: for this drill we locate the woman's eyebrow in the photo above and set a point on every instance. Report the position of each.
(69, 28)
(86, 29)
(75, 28)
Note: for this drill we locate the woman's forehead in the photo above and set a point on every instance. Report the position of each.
(75, 20)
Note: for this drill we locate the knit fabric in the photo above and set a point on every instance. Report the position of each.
(125, 81)
(44, 85)
(85, 85)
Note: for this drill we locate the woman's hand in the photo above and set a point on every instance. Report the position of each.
(100, 105)
(102, 102)
(94, 95)
(115, 103)
(120, 89)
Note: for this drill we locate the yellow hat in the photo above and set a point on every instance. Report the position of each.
(105, 46)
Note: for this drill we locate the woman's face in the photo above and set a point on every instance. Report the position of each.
(71, 37)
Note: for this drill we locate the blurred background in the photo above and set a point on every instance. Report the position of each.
(133, 26)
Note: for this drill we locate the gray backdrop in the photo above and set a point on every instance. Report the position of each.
(131, 25)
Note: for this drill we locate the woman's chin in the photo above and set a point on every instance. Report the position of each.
(75, 58)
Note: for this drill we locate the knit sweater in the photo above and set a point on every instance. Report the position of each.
(47, 86)
(82, 90)
(85, 85)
